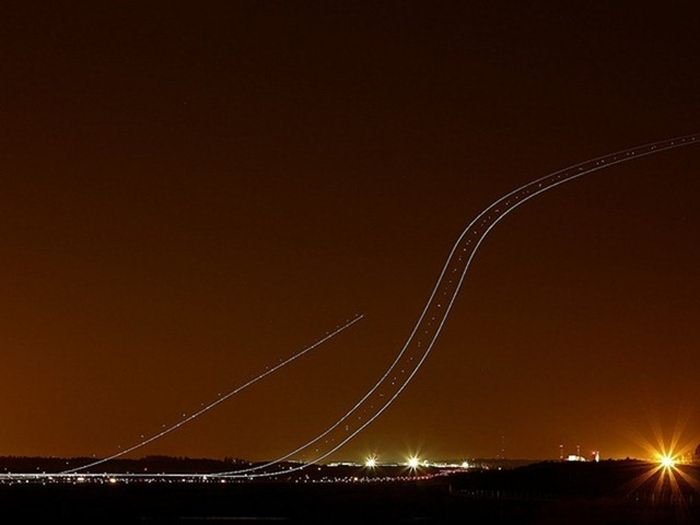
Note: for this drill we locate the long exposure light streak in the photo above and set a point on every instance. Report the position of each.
(434, 315)
(219, 400)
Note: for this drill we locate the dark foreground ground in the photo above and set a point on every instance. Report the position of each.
(552, 493)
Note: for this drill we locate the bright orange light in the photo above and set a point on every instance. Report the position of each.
(667, 476)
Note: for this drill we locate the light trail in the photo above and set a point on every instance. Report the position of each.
(434, 315)
(219, 400)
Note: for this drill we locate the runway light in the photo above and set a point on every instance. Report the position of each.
(371, 462)
(414, 462)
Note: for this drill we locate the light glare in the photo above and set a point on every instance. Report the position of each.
(667, 461)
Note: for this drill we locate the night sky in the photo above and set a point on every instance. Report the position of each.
(191, 192)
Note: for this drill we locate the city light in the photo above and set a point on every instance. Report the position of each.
(413, 462)
(371, 462)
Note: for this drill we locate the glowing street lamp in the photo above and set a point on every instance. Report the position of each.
(413, 462)
(371, 461)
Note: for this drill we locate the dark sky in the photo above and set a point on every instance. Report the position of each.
(190, 193)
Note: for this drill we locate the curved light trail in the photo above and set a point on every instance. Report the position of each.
(434, 315)
(219, 400)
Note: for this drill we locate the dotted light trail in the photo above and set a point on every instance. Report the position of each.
(220, 400)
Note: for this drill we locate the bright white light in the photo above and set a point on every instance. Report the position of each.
(414, 462)
(371, 462)
(667, 461)
(465, 464)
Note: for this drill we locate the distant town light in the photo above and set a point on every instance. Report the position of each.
(414, 462)
(371, 462)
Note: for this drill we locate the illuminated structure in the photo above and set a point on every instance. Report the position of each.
(594, 455)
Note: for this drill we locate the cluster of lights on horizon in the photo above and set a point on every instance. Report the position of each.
(413, 462)
(666, 468)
